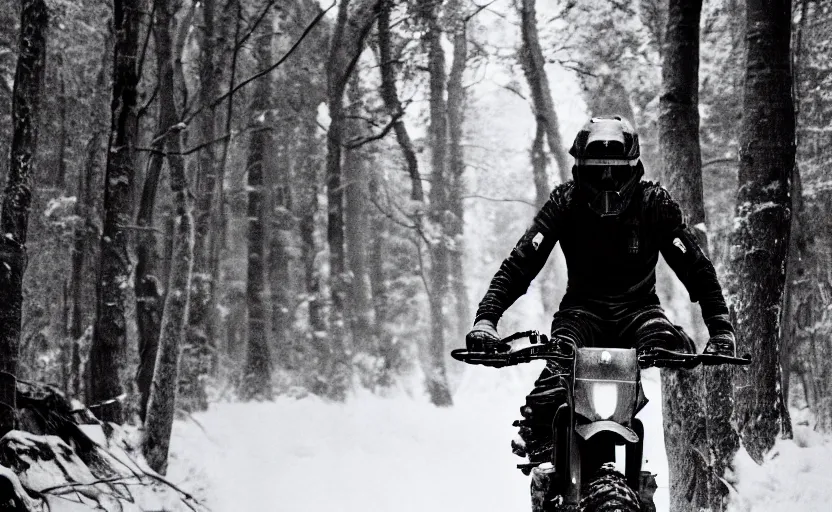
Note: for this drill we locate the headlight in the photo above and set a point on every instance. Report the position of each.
(604, 398)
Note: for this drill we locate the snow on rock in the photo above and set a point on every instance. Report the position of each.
(108, 478)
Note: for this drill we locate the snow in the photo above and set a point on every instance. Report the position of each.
(796, 475)
(373, 453)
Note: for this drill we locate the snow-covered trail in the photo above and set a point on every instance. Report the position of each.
(401, 454)
(370, 454)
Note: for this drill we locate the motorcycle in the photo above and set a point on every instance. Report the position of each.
(600, 393)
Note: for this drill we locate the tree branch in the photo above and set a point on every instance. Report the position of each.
(360, 141)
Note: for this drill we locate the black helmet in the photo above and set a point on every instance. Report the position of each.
(607, 168)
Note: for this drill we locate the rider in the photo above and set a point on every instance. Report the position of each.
(611, 226)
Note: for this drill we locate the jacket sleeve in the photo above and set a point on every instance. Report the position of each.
(525, 261)
(683, 254)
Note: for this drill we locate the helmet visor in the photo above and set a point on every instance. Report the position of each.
(607, 177)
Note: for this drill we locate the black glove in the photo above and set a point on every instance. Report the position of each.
(722, 344)
(483, 337)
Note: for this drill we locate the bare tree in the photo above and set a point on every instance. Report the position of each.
(162, 401)
(534, 67)
(390, 95)
(17, 196)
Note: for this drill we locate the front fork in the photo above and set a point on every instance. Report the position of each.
(556, 486)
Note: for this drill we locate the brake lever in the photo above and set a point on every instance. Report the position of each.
(664, 358)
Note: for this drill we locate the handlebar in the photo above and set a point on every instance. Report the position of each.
(541, 348)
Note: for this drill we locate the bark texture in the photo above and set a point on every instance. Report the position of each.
(17, 196)
(162, 401)
(693, 477)
(199, 341)
(107, 354)
(256, 383)
(761, 231)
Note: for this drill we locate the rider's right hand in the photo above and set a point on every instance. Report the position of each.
(483, 337)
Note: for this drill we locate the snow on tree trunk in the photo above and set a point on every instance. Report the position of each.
(162, 401)
(761, 225)
(109, 342)
(433, 354)
(17, 196)
(534, 67)
(256, 383)
(197, 354)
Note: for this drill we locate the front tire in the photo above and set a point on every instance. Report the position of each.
(607, 491)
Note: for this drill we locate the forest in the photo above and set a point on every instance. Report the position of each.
(225, 201)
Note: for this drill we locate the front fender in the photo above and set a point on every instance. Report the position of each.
(588, 430)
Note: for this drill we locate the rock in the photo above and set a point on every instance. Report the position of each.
(67, 461)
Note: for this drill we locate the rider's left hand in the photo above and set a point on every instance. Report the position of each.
(722, 344)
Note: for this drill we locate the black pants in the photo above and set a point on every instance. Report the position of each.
(641, 326)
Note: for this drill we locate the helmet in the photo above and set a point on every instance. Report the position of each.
(607, 166)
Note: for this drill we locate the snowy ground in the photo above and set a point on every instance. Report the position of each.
(400, 453)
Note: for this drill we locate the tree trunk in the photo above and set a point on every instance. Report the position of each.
(17, 196)
(761, 230)
(433, 357)
(378, 285)
(195, 363)
(107, 353)
(690, 451)
(310, 256)
(162, 401)
(534, 67)
(390, 95)
(148, 281)
(356, 231)
(82, 247)
(218, 207)
(456, 160)
(347, 43)
(256, 383)
(279, 248)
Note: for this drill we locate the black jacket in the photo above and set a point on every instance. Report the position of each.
(611, 262)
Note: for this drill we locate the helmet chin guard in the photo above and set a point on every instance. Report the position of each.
(607, 166)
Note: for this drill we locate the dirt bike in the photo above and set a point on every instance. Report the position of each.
(601, 393)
